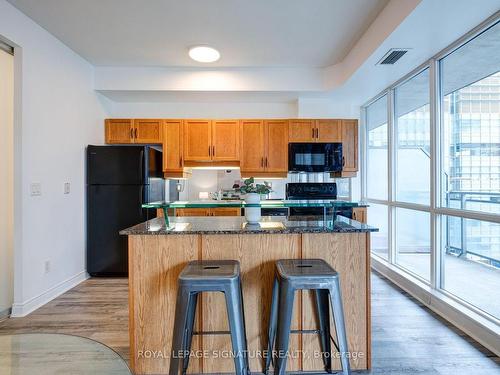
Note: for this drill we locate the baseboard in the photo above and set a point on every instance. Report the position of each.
(4, 314)
(471, 323)
(23, 309)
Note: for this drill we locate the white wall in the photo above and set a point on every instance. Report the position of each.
(202, 109)
(57, 113)
(7, 184)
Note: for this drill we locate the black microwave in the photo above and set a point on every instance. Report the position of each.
(315, 157)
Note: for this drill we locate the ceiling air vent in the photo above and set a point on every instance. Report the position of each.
(393, 55)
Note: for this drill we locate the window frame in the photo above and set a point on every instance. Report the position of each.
(435, 209)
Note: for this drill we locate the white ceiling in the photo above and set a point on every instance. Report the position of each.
(257, 33)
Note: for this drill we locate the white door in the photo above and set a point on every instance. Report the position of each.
(7, 178)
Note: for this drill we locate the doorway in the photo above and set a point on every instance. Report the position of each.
(6, 179)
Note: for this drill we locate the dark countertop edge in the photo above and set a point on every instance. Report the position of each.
(342, 225)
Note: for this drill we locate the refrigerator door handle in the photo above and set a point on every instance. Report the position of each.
(142, 200)
(141, 167)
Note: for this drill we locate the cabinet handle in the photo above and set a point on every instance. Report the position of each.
(267, 164)
(180, 161)
(131, 133)
(213, 150)
(135, 133)
(317, 133)
(343, 161)
(313, 133)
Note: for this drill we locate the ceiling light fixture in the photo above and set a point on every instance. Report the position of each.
(204, 54)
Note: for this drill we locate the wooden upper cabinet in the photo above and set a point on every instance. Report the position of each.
(197, 140)
(328, 131)
(225, 140)
(118, 131)
(207, 140)
(148, 131)
(301, 130)
(172, 146)
(325, 130)
(253, 146)
(143, 131)
(277, 146)
(349, 146)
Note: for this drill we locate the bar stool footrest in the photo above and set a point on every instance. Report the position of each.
(201, 333)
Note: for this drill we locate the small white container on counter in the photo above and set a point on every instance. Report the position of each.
(252, 214)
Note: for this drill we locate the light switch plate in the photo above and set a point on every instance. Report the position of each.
(67, 187)
(36, 189)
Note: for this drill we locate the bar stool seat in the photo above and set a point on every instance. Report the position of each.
(306, 274)
(208, 276)
(209, 270)
(304, 268)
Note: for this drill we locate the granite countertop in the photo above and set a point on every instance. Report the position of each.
(238, 225)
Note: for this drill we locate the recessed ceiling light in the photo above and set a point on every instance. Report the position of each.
(204, 54)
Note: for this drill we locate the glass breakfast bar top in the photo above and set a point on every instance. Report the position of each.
(329, 212)
(271, 203)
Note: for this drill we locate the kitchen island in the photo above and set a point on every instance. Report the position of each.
(159, 250)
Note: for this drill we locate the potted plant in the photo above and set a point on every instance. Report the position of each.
(253, 193)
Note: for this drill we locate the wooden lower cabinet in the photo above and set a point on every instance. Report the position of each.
(152, 299)
(155, 262)
(360, 214)
(191, 212)
(219, 211)
(225, 211)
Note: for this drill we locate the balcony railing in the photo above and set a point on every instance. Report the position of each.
(460, 241)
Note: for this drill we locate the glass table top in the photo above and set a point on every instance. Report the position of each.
(49, 354)
(240, 203)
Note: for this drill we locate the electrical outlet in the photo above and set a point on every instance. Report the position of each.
(67, 187)
(46, 266)
(36, 189)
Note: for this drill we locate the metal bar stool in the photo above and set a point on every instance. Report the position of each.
(316, 275)
(208, 276)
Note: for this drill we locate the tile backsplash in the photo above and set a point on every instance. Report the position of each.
(213, 180)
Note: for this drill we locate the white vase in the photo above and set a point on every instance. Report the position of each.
(252, 214)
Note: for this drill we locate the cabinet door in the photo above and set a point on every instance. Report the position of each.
(118, 131)
(328, 131)
(172, 145)
(225, 211)
(191, 211)
(359, 214)
(148, 131)
(350, 145)
(277, 146)
(225, 140)
(253, 146)
(301, 131)
(197, 140)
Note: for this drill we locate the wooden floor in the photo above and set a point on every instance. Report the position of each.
(407, 337)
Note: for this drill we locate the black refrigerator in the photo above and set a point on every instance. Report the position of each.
(119, 180)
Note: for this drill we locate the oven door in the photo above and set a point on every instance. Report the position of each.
(315, 157)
